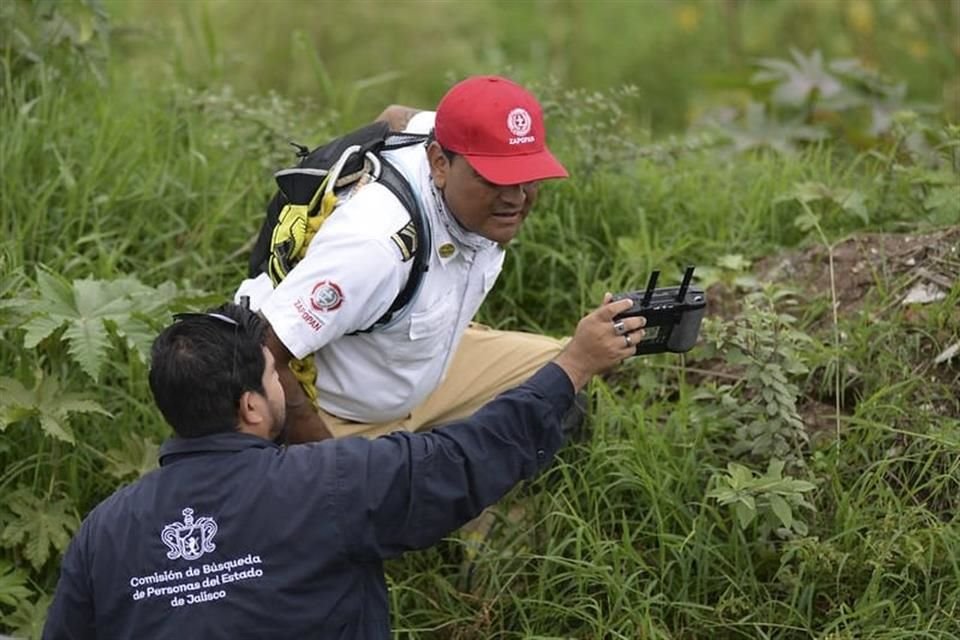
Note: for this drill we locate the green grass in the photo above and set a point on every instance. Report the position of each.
(160, 167)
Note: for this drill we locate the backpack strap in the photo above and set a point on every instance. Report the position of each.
(393, 180)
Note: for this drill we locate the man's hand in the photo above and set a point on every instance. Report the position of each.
(598, 344)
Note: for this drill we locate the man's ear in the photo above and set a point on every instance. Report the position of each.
(250, 411)
(439, 164)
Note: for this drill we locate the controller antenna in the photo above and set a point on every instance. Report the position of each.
(651, 285)
(687, 277)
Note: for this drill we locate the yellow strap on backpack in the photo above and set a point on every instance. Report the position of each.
(295, 228)
(291, 237)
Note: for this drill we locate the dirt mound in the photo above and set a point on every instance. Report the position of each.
(908, 267)
(875, 273)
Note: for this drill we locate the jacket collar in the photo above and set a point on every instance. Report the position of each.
(217, 443)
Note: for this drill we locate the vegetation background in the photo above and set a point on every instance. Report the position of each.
(795, 476)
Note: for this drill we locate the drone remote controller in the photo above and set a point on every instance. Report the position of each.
(673, 314)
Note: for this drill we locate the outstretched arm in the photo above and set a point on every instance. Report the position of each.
(407, 491)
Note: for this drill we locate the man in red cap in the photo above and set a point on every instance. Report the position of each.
(476, 180)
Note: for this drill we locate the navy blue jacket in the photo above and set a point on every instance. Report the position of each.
(235, 537)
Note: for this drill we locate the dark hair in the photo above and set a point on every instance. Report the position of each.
(203, 363)
(431, 137)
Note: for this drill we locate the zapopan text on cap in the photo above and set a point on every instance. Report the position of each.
(497, 126)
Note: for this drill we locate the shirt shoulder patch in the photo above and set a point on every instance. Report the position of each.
(406, 241)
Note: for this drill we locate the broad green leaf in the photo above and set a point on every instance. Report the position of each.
(13, 589)
(775, 469)
(12, 415)
(737, 357)
(135, 457)
(55, 293)
(91, 310)
(38, 328)
(799, 80)
(802, 486)
(745, 514)
(14, 393)
(781, 509)
(138, 336)
(723, 496)
(27, 620)
(739, 474)
(47, 401)
(103, 299)
(73, 403)
(52, 426)
(38, 526)
(88, 343)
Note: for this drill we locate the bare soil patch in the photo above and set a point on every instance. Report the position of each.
(875, 273)
(864, 266)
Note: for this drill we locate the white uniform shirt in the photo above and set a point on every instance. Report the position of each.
(351, 274)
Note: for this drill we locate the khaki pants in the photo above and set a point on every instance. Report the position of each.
(487, 363)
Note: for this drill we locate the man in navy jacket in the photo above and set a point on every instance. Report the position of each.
(236, 537)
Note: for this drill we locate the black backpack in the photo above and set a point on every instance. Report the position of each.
(309, 192)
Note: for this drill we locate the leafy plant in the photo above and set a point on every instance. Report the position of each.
(37, 526)
(772, 499)
(765, 349)
(930, 158)
(89, 311)
(798, 82)
(134, 457)
(13, 589)
(595, 123)
(52, 33)
(27, 620)
(162, 172)
(257, 126)
(46, 402)
(848, 200)
(756, 129)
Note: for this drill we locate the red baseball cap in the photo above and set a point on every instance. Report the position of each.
(497, 126)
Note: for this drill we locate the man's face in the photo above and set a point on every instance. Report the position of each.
(276, 400)
(493, 211)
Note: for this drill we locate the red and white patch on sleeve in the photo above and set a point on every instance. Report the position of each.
(326, 296)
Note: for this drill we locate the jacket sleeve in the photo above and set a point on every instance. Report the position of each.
(71, 614)
(407, 491)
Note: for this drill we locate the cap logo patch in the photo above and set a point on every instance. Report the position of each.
(519, 122)
(326, 296)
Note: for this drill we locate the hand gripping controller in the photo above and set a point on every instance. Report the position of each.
(673, 314)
